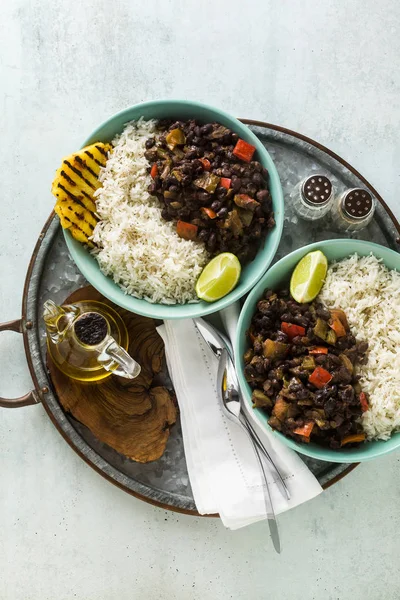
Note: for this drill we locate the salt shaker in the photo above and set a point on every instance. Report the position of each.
(353, 210)
(312, 198)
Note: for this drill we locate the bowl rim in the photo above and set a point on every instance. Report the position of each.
(311, 450)
(187, 310)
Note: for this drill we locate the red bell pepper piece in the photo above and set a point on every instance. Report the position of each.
(281, 408)
(187, 231)
(306, 430)
(338, 313)
(353, 438)
(209, 212)
(337, 326)
(244, 151)
(154, 171)
(364, 402)
(206, 163)
(225, 182)
(320, 377)
(292, 330)
(318, 350)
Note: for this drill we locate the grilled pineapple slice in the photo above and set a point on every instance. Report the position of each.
(74, 186)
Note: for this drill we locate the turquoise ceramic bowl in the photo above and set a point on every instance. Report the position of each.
(182, 109)
(277, 276)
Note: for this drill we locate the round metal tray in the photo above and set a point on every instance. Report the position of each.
(52, 273)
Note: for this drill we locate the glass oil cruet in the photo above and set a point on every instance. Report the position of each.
(88, 341)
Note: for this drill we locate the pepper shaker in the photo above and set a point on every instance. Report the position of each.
(353, 210)
(312, 197)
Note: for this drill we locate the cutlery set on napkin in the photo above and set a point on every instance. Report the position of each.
(236, 469)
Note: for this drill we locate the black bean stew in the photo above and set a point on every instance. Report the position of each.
(208, 182)
(301, 367)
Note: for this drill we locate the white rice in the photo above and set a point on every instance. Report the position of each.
(369, 293)
(137, 248)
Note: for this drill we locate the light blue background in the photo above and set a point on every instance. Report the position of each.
(328, 69)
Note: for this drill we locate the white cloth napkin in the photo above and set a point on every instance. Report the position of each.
(223, 469)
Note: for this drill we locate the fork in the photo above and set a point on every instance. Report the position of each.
(217, 342)
(236, 408)
(230, 401)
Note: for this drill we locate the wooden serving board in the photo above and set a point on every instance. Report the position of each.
(132, 416)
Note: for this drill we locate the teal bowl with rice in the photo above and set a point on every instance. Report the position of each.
(277, 277)
(251, 273)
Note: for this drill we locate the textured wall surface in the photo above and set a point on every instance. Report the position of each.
(328, 69)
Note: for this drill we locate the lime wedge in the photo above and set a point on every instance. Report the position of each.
(218, 277)
(308, 276)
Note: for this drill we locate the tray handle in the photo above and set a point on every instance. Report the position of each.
(31, 397)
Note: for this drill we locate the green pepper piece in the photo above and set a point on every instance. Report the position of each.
(177, 174)
(248, 355)
(218, 133)
(234, 222)
(208, 182)
(273, 349)
(162, 153)
(246, 202)
(260, 400)
(347, 362)
(321, 329)
(178, 153)
(331, 337)
(246, 216)
(308, 363)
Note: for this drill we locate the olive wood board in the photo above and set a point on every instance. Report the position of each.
(132, 416)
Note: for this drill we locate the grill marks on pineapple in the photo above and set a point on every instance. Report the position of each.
(84, 164)
(77, 232)
(80, 174)
(90, 155)
(102, 148)
(74, 186)
(68, 178)
(84, 200)
(77, 221)
(89, 202)
(81, 217)
(70, 195)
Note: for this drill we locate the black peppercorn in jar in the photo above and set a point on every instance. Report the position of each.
(91, 328)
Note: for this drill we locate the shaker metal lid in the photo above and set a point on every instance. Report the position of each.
(317, 189)
(357, 203)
